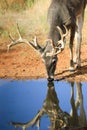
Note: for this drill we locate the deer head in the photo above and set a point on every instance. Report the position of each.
(48, 53)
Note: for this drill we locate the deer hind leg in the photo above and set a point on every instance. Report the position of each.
(77, 58)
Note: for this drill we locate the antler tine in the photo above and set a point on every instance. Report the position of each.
(60, 31)
(61, 41)
(18, 30)
(64, 35)
(35, 41)
(11, 44)
(10, 36)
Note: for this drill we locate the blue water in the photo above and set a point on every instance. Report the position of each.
(21, 100)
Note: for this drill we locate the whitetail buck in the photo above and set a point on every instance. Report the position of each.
(63, 15)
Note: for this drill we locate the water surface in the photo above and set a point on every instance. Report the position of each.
(42, 104)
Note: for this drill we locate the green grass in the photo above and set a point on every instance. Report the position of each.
(16, 7)
(29, 3)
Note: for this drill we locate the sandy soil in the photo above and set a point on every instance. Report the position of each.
(22, 62)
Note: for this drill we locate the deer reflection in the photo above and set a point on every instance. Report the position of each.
(77, 113)
(58, 118)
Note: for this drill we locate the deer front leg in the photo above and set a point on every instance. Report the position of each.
(71, 68)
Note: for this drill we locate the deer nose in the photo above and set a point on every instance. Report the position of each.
(51, 78)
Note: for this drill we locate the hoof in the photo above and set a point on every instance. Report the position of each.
(71, 69)
(78, 67)
(74, 62)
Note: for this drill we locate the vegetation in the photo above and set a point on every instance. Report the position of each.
(31, 16)
(29, 3)
(16, 5)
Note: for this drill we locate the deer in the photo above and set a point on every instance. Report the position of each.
(63, 16)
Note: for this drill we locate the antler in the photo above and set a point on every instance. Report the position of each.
(60, 45)
(55, 50)
(61, 32)
(35, 120)
(36, 46)
(64, 35)
(33, 43)
(61, 42)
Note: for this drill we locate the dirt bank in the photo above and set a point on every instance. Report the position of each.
(22, 62)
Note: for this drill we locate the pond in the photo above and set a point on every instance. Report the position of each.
(39, 104)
